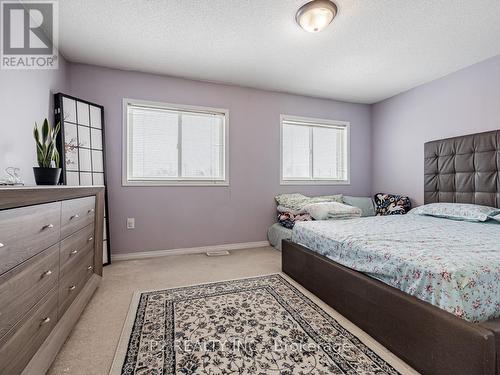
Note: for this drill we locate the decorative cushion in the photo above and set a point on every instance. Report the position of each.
(391, 204)
(457, 211)
(365, 203)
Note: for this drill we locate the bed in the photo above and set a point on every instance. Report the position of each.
(442, 331)
(448, 263)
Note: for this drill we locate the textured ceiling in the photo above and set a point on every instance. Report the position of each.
(374, 49)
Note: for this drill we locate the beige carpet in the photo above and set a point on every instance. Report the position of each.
(91, 346)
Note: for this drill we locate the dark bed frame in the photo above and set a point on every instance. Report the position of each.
(463, 169)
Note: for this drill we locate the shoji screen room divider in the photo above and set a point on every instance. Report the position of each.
(82, 148)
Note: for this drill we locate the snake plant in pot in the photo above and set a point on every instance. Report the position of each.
(48, 170)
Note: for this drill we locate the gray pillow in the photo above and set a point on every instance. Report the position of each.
(365, 203)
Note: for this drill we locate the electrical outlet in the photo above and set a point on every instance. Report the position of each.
(131, 223)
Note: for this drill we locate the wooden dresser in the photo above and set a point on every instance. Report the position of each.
(50, 266)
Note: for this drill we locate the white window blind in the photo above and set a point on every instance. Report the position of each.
(169, 145)
(314, 151)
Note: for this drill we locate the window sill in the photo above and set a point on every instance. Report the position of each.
(314, 182)
(175, 183)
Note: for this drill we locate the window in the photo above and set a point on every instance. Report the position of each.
(168, 144)
(314, 151)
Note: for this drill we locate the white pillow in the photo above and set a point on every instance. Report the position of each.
(332, 210)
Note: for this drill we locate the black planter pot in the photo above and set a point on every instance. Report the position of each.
(47, 176)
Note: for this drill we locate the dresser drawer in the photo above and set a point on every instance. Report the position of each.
(74, 280)
(76, 214)
(26, 231)
(75, 246)
(19, 345)
(22, 287)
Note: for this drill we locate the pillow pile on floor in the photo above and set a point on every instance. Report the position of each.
(298, 207)
(296, 202)
(332, 211)
(291, 207)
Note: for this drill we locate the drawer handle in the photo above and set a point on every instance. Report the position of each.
(45, 321)
(46, 273)
(75, 216)
(91, 211)
(72, 287)
(74, 252)
(48, 226)
(91, 238)
(90, 268)
(1, 244)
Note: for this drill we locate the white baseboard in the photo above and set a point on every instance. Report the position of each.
(190, 250)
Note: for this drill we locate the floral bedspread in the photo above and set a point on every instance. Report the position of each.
(454, 265)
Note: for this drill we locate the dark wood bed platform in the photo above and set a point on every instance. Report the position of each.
(464, 170)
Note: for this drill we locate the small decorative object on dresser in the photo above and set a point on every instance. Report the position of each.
(12, 178)
(48, 171)
(50, 265)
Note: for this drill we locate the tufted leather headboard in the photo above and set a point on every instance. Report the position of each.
(463, 169)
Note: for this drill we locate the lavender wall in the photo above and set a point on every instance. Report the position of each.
(175, 217)
(25, 97)
(390, 133)
(178, 217)
(464, 102)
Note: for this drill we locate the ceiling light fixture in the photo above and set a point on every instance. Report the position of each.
(316, 15)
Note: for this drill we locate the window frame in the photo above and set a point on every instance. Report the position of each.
(185, 181)
(316, 122)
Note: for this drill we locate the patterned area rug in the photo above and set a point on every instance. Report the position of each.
(261, 325)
